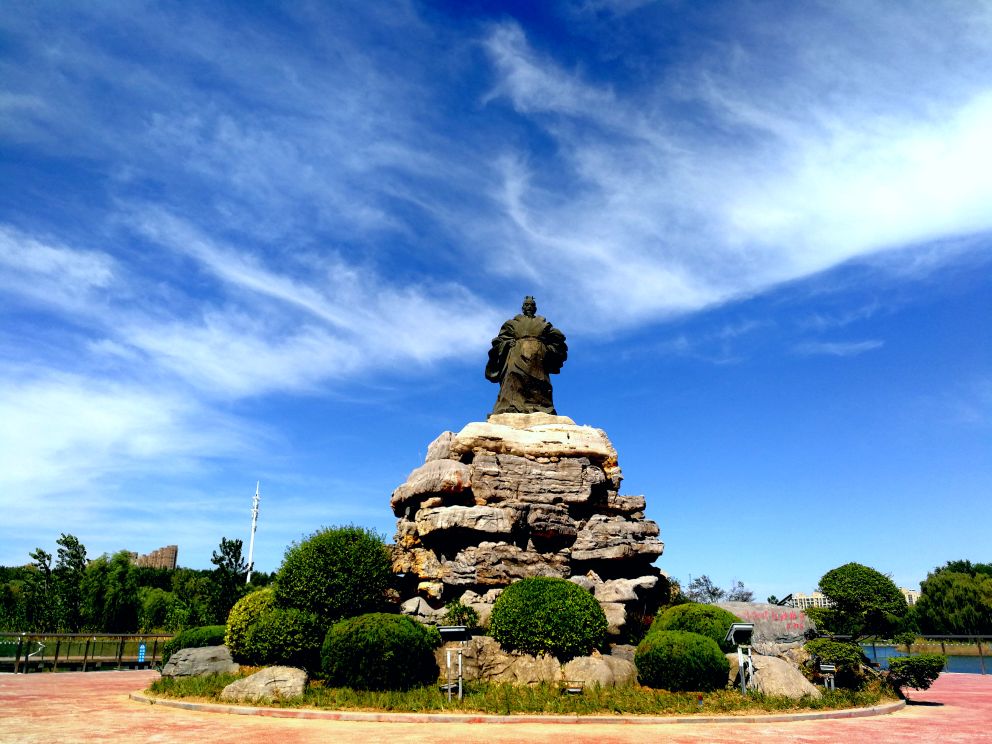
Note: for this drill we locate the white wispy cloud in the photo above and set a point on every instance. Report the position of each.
(837, 348)
(667, 217)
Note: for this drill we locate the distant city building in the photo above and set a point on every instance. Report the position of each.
(161, 558)
(805, 601)
(912, 595)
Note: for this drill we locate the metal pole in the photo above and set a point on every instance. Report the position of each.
(254, 523)
(981, 657)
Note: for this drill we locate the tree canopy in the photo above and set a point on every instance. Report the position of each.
(865, 602)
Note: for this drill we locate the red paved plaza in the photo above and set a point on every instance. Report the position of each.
(94, 707)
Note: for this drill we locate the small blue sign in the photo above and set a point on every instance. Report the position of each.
(141, 652)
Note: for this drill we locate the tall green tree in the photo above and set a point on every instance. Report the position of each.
(952, 603)
(110, 595)
(865, 602)
(228, 578)
(70, 567)
(40, 595)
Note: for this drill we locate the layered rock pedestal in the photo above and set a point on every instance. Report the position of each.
(523, 495)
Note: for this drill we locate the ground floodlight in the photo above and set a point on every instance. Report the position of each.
(453, 632)
(740, 634)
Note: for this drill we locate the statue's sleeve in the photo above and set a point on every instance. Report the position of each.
(496, 367)
(556, 350)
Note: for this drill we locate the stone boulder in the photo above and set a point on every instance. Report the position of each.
(267, 685)
(484, 659)
(524, 495)
(776, 628)
(605, 671)
(195, 662)
(774, 676)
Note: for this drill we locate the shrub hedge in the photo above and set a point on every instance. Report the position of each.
(677, 660)
(337, 572)
(918, 672)
(543, 614)
(205, 635)
(285, 636)
(693, 617)
(379, 651)
(847, 657)
(243, 616)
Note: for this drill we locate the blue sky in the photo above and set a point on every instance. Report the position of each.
(260, 241)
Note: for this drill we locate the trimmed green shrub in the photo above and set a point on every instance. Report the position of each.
(285, 636)
(379, 651)
(337, 572)
(243, 615)
(206, 635)
(543, 614)
(835, 652)
(678, 661)
(692, 617)
(460, 614)
(918, 672)
(847, 657)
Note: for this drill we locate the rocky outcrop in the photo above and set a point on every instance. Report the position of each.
(774, 676)
(523, 495)
(195, 662)
(269, 684)
(776, 628)
(483, 659)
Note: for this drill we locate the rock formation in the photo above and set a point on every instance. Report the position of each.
(523, 495)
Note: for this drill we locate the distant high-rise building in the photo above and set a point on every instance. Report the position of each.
(912, 595)
(161, 558)
(805, 601)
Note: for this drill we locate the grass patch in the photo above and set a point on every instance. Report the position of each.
(502, 699)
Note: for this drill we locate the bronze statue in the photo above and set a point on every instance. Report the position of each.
(527, 350)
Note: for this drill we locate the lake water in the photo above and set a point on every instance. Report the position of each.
(961, 664)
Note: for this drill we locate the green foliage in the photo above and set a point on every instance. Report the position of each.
(207, 635)
(70, 568)
(917, 672)
(379, 651)
(543, 614)
(244, 614)
(460, 614)
(337, 572)
(228, 578)
(702, 590)
(110, 595)
(288, 637)
(678, 660)
(835, 652)
(707, 620)
(847, 657)
(865, 602)
(507, 699)
(155, 604)
(905, 638)
(955, 603)
(966, 567)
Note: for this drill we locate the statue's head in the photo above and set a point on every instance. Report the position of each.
(529, 306)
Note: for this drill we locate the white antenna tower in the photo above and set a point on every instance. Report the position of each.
(254, 523)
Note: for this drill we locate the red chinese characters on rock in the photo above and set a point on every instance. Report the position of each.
(793, 620)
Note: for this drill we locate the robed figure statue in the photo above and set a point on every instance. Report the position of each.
(527, 350)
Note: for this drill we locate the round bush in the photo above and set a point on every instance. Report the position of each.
(285, 636)
(337, 572)
(692, 617)
(379, 651)
(847, 657)
(242, 616)
(206, 635)
(543, 614)
(677, 660)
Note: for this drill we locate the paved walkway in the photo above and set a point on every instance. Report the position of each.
(94, 707)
